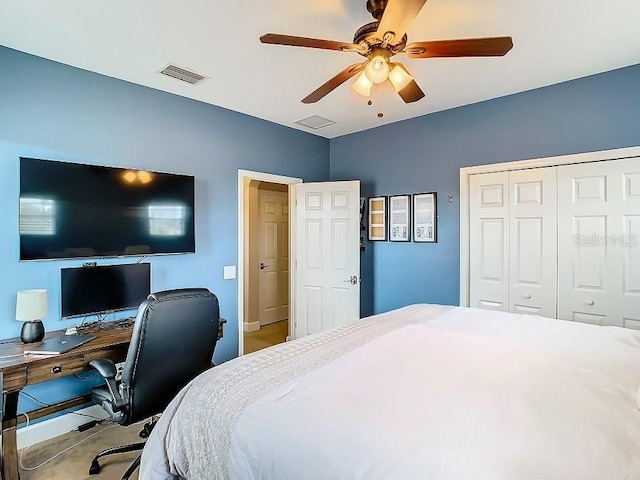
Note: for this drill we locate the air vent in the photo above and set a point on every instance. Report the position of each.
(183, 74)
(315, 122)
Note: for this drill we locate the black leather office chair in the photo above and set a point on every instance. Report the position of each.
(174, 336)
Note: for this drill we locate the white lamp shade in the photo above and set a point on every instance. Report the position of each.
(377, 69)
(32, 305)
(399, 77)
(362, 85)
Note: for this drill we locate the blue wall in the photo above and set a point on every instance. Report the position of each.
(53, 111)
(49, 110)
(424, 154)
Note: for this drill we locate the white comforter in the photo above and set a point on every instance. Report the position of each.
(425, 392)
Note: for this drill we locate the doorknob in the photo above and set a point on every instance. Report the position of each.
(527, 296)
(353, 280)
(590, 302)
(263, 265)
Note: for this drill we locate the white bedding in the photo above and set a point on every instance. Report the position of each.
(424, 392)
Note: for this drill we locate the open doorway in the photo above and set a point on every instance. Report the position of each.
(264, 260)
(323, 223)
(267, 254)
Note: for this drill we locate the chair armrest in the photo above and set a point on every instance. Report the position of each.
(105, 367)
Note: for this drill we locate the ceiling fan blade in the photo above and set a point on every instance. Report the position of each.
(291, 40)
(411, 92)
(470, 47)
(335, 82)
(397, 16)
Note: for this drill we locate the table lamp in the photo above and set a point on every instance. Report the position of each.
(31, 308)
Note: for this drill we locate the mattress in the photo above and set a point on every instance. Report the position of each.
(425, 391)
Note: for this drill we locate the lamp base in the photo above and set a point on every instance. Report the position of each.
(32, 332)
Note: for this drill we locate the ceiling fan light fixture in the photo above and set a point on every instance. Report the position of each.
(362, 85)
(381, 40)
(377, 69)
(399, 77)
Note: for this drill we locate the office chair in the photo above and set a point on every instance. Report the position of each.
(174, 336)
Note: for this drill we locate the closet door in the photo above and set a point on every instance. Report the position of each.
(630, 301)
(489, 241)
(599, 231)
(533, 251)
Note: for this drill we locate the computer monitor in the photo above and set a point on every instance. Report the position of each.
(103, 289)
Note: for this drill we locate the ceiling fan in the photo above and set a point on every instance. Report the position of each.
(380, 40)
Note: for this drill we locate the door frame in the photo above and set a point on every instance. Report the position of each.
(263, 177)
(466, 172)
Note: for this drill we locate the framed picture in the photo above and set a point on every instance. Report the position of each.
(425, 217)
(400, 218)
(377, 225)
(363, 212)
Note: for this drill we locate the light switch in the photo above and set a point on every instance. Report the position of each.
(229, 272)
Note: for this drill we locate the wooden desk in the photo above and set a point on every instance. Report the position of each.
(21, 370)
(18, 370)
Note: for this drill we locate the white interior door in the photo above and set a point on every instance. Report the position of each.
(327, 289)
(630, 301)
(273, 256)
(533, 250)
(599, 224)
(489, 241)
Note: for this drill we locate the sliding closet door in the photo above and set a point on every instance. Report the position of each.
(533, 252)
(489, 241)
(630, 302)
(599, 231)
(513, 241)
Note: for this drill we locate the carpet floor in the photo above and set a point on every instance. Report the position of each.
(74, 464)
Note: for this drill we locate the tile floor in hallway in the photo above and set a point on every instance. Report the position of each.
(268, 335)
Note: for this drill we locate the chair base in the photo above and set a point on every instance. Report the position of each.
(95, 468)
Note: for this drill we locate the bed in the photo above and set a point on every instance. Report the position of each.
(422, 392)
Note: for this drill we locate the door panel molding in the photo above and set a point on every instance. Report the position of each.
(466, 174)
(273, 256)
(328, 255)
(596, 286)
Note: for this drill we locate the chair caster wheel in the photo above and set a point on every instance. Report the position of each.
(146, 430)
(94, 469)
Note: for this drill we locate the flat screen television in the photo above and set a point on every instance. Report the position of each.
(72, 210)
(103, 289)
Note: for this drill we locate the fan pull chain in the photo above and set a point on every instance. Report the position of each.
(373, 94)
(377, 93)
(380, 114)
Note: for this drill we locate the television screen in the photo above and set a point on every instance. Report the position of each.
(70, 210)
(103, 289)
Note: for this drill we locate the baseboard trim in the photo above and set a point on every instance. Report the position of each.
(251, 326)
(48, 429)
(271, 322)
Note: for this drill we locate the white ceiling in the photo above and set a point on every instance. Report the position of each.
(554, 41)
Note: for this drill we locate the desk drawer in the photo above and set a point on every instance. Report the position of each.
(54, 368)
(115, 354)
(14, 380)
